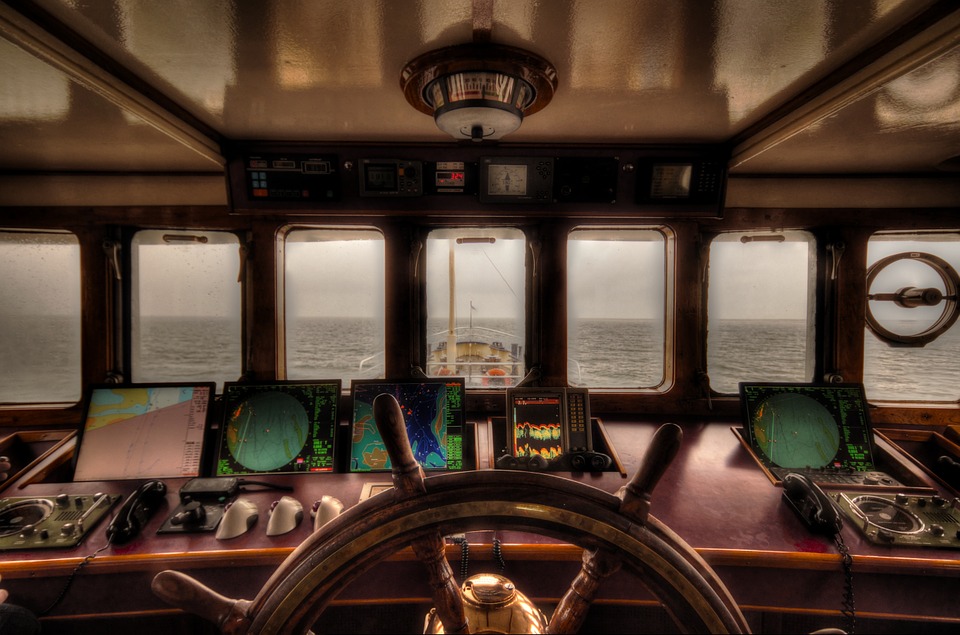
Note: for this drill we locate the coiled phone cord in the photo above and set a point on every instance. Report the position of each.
(465, 556)
(849, 609)
(66, 586)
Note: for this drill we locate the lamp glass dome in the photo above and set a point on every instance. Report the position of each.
(478, 104)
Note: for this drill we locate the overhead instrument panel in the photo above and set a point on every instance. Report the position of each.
(690, 183)
(450, 177)
(642, 181)
(298, 178)
(587, 179)
(516, 180)
(391, 177)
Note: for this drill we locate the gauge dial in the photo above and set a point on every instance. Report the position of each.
(507, 180)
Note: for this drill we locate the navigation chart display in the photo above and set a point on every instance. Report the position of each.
(143, 431)
(434, 414)
(808, 426)
(278, 428)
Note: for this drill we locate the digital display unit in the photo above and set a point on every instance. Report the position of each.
(793, 426)
(671, 180)
(506, 179)
(281, 427)
(549, 428)
(683, 184)
(434, 414)
(391, 177)
(536, 422)
(516, 179)
(291, 178)
(138, 431)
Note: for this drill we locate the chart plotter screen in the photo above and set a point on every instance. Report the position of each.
(434, 414)
(143, 431)
(283, 427)
(808, 426)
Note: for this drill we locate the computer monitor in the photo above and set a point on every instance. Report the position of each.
(279, 427)
(138, 431)
(798, 425)
(434, 413)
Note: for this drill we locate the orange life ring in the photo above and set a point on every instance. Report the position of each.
(494, 377)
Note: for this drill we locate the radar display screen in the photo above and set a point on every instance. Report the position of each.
(284, 427)
(808, 426)
(434, 414)
(139, 431)
(536, 421)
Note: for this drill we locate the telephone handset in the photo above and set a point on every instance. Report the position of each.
(136, 511)
(816, 509)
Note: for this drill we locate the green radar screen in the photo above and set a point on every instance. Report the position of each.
(267, 431)
(278, 428)
(798, 426)
(794, 430)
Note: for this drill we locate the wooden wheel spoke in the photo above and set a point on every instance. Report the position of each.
(182, 591)
(408, 481)
(598, 565)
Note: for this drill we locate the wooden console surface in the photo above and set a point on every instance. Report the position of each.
(713, 495)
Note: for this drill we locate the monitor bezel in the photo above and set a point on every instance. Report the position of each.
(354, 384)
(751, 440)
(225, 410)
(88, 398)
(529, 391)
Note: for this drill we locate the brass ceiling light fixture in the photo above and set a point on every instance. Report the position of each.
(479, 91)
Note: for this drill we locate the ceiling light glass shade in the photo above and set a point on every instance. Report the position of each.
(478, 104)
(478, 91)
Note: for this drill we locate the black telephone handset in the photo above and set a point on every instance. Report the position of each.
(814, 507)
(136, 511)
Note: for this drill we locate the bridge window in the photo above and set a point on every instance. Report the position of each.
(912, 341)
(333, 294)
(39, 318)
(616, 304)
(185, 318)
(760, 309)
(475, 305)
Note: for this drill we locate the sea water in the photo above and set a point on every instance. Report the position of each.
(41, 364)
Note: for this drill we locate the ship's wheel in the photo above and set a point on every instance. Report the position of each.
(913, 297)
(615, 532)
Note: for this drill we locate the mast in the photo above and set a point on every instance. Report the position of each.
(451, 320)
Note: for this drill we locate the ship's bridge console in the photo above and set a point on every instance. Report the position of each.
(224, 488)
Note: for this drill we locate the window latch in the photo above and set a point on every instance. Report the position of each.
(112, 249)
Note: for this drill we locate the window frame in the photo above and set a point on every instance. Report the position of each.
(80, 318)
(280, 289)
(668, 316)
